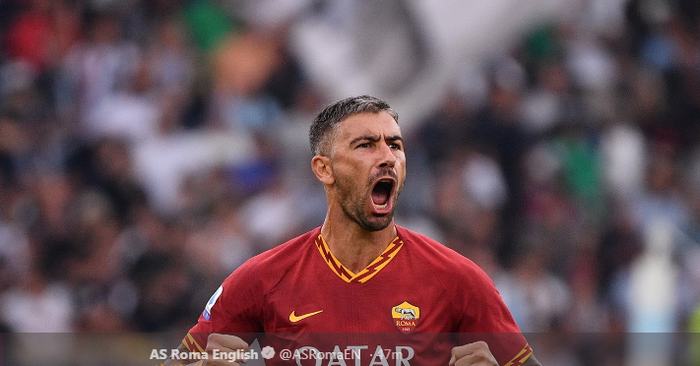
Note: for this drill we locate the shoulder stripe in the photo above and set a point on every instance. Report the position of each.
(191, 344)
(521, 357)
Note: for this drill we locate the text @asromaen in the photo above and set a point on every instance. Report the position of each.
(358, 355)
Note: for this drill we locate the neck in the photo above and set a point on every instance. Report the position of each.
(354, 246)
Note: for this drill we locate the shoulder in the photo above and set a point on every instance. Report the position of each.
(439, 256)
(286, 252)
(457, 274)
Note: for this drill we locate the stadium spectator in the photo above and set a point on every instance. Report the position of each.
(132, 128)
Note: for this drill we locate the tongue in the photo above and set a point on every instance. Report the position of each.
(380, 196)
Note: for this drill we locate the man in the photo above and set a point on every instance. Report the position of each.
(361, 275)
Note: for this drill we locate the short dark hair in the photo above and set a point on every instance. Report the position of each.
(326, 121)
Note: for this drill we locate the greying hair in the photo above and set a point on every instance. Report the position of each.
(328, 119)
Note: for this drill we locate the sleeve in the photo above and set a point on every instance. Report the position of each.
(485, 317)
(235, 308)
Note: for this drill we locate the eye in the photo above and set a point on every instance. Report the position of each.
(364, 145)
(395, 146)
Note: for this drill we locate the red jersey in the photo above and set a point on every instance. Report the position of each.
(416, 286)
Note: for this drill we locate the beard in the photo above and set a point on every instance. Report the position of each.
(353, 201)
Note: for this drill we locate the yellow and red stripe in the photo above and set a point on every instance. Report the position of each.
(191, 344)
(521, 357)
(370, 271)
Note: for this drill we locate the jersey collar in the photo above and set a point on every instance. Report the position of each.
(370, 271)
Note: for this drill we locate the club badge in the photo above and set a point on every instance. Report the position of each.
(405, 316)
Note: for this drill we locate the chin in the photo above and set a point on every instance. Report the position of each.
(377, 224)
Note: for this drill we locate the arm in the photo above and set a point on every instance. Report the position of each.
(478, 354)
(233, 308)
(487, 322)
(222, 343)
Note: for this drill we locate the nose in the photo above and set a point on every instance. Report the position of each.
(388, 159)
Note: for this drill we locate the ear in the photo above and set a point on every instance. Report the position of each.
(321, 166)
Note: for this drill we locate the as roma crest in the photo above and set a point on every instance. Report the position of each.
(405, 316)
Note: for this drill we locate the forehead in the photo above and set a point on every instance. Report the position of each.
(375, 124)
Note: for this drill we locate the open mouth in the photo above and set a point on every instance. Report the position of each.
(381, 193)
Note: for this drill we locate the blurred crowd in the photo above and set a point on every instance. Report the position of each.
(148, 148)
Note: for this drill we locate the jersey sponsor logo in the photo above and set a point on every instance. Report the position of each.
(295, 318)
(210, 304)
(406, 316)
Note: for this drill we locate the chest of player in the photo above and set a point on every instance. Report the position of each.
(387, 303)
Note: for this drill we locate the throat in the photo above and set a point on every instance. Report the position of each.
(357, 259)
(357, 268)
(356, 249)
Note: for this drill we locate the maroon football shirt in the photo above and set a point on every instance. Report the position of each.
(417, 292)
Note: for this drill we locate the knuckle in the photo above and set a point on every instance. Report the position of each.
(238, 343)
(213, 342)
(214, 337)
(217, 341)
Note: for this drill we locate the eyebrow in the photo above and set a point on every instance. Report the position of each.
(394, 138)
(375, 138)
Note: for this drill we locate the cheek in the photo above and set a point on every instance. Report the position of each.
(403, 169)
(345, 179)
(351, 168)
